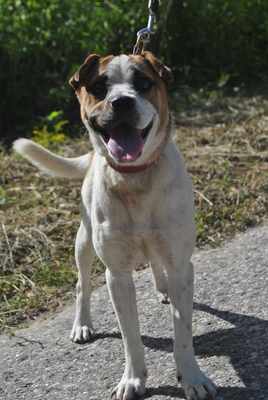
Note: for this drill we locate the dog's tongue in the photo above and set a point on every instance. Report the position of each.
(125, 143)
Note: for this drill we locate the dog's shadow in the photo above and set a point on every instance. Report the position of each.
(245, 344)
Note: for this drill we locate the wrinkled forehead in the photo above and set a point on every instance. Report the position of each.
(122, 68)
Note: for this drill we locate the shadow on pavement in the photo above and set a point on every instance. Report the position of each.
(167, 390)
(245, 345)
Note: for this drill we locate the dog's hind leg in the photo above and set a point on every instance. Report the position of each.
(82, 326)
(160, 282)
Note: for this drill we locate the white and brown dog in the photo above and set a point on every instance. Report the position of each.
(137, 207)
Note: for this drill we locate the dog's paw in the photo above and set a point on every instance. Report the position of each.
(129, 389)
(81, 333)
(203, 390)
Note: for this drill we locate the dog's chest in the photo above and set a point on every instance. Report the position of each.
(121, 226)
(124, 213)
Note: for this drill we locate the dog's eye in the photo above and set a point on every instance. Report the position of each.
(99, 88)
(143, 84)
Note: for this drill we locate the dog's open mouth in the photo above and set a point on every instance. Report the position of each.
(125, 142)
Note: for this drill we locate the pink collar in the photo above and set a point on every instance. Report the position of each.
(132, 169)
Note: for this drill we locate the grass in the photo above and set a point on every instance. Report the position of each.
(39, 217)
(225, 144)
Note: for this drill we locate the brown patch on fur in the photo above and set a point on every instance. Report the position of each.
(104, 63)
(92, 67)
(158, 72)
(86, 72)
(88, 102)
(163, 71)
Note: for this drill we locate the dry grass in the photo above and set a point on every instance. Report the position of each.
(225, 143)
(39, 217)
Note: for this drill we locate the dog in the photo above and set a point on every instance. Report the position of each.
(137, 207)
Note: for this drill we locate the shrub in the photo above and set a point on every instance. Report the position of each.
(208, 38)
(43, 42)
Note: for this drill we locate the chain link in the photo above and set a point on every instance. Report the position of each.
(144, 34)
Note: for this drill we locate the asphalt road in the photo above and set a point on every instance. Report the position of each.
(230, 336)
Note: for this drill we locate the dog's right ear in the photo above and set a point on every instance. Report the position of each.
(84, 74)
(161, 69)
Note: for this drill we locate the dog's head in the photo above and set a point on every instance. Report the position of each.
(124, 105)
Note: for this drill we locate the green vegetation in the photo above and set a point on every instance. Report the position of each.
(43, 42)
(50, 131)
(211, 39)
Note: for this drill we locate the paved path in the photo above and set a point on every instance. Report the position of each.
(230, 336)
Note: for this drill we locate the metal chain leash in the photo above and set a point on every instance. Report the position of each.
(144, 34)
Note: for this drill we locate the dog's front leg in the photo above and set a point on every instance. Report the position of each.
(82, 326)
(180, 288)
(123, 296)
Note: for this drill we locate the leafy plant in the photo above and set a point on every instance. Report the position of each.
(43, 43)
(50, 131)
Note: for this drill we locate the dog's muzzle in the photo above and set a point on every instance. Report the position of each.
(117, 127)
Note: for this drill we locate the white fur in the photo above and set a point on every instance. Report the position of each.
(121, 89)
(141, 217)
(50, 163)
(129, 219)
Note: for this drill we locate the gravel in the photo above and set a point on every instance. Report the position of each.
(230, 336)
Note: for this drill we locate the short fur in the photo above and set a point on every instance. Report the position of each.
(128, 219)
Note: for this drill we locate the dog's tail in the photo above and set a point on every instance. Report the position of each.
(51, 163)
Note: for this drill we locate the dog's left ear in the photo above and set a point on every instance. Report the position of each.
(161, 69)
(85, 72)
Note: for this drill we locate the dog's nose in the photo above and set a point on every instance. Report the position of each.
(123, 103)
